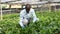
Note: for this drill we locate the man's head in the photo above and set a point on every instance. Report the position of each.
(28, 6)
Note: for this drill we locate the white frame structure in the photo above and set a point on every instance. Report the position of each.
(1, 10)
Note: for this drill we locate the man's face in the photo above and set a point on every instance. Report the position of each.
(28, 7)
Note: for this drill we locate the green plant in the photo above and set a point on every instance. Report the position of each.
(49, 23)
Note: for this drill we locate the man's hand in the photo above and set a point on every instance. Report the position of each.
(25, 21)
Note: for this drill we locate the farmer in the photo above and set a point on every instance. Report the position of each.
(27, 15)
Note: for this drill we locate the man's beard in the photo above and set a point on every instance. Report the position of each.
(27, 10)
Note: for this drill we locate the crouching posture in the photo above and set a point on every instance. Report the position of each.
(27, 15)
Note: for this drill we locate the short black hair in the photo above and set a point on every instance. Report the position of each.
(27, 5)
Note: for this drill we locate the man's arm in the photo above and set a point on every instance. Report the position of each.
(21, 19)
(34, 16)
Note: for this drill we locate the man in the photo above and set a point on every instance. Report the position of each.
(27, 15)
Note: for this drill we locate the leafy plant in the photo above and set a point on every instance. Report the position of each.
(49, 23)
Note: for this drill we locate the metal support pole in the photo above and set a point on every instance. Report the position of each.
(1, 9)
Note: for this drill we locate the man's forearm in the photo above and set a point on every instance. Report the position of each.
(21, 24)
